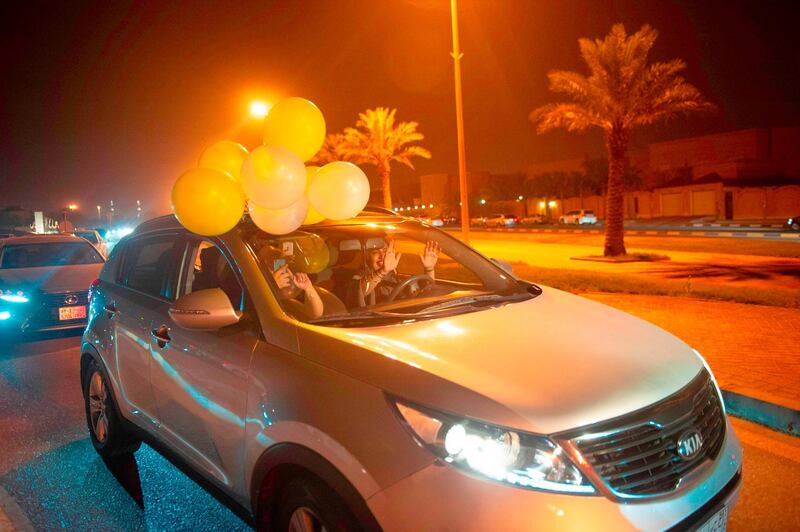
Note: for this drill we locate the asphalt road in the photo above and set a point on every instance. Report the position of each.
(49, 468)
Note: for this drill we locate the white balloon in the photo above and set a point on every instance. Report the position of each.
(273, 177)
(339, 190)
(279, 221)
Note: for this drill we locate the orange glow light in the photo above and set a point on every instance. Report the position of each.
(259, 109)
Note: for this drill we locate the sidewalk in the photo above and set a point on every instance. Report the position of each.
(754, 350)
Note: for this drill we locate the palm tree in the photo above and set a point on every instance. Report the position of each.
(332, 150)
(377, 140)
(622, 92)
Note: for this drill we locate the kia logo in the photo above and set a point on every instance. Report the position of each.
(689, 444)
(71, 299)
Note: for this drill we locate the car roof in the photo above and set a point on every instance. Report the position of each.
(369, 214)
(42, 239)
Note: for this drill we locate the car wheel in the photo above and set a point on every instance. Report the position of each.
(108, 434)
(796, 226)
(307, 505)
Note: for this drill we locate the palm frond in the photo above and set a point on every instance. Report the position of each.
(570, 116)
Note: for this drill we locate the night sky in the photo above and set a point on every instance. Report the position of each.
(110, 100)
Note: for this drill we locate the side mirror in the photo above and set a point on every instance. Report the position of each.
(204, 310)
(506, 267)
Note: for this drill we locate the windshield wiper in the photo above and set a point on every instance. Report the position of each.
(471, 300)
(363, 315)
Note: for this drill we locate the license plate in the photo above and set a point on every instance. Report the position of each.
(717, 523)
(71, 313)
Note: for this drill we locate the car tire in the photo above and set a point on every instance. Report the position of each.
(106, 430)
(305, 504)
(796, 226)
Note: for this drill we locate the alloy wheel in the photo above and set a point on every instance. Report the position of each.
(305, 520)
(98, 396)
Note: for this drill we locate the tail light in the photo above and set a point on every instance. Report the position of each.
(92, 287)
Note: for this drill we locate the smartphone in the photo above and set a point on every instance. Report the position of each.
(277, 264)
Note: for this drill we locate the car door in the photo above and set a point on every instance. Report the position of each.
(200, 378)
(143, 289)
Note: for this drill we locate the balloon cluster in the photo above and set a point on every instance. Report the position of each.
(271, 181)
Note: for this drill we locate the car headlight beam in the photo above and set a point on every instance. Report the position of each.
(13, 297)
(503, 455)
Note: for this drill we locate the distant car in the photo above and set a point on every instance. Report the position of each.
(535, 219)
(579, 217)
(502, 220)
(478, 220)
(94, 238)
(793, 223)
(44, 282)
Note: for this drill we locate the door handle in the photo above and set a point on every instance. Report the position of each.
(161, 336)
(110, 309)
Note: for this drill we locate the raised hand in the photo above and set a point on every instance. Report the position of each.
(302, 281)
(390, 259)
(430, 256)
(283, 277)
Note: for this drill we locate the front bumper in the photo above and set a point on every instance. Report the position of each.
(455, 501)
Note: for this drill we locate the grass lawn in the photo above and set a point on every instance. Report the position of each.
(586, 281)
(737, 246)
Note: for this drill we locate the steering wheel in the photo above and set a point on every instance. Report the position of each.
(413, 280)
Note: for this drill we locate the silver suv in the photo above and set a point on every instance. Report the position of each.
(378, 373)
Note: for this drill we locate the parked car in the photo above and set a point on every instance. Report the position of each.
(579, 217)
(94, 238)
(492, 403)
(793, 223)
(44, 282)
(535, 219)
(502, 220)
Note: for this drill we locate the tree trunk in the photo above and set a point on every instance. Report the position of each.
(383, 170)
(617, 144)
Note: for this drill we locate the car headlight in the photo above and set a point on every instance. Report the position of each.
(17, 296)
(517, 458)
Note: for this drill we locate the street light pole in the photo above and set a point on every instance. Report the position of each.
(462, 158)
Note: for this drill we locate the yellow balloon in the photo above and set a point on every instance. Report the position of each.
(297, 124)
(207, 201)
(225, 156)
(339, 190)
(273, 177)
(313, 215)
(279, 221)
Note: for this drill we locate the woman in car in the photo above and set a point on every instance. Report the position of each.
(378, 277)
(294, 287)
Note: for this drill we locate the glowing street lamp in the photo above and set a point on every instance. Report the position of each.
(73, 207)
(259, 109)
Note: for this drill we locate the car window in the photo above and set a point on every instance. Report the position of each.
(209, 268)
(48, 254)
(150, 264)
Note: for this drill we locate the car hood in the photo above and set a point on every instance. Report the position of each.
(50, 278)
(557, 361)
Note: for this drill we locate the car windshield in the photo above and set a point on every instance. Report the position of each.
(380, 272)
(48, 254)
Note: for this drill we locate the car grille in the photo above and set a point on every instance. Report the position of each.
(50, 302)
(637, 455)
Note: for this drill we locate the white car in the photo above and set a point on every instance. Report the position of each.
(458, 398)
(94, 238)
(579, 217)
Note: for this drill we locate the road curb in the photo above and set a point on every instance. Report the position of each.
(776, 417)
(12, 518)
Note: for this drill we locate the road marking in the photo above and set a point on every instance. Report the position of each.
(790, 235)
(651, 232)
(673, 233)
